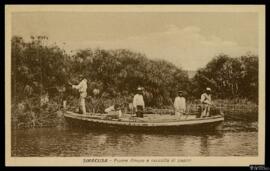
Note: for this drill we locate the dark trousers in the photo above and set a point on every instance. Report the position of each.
(139, 112)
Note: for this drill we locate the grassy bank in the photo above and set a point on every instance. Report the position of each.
(30, 114)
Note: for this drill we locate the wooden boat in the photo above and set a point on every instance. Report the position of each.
(150, 122)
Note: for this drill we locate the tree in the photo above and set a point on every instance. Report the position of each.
(37, 66)
(119, 72)
(229, 77)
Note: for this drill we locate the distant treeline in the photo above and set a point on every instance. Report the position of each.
(38, 68)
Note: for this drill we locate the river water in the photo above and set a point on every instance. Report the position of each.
(236, 139)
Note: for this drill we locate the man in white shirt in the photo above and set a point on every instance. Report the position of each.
(206, 102)
(138, 103)
(82, 87)
(180, 104)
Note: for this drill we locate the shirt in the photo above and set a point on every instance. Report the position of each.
(109, 109)
(138, 100)
(82, 86)
(180, 103)
(205, 98)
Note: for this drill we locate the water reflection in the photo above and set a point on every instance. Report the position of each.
(234, 140)
(204, 145)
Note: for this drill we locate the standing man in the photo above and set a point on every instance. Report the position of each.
(138, 103)
(206, 102)
(180, 104)
(82, 87)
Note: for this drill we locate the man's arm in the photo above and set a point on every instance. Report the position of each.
(208, 102)
(175, 103)
(143, 103)
(202, 98)
(109, 109)
(134, 101)
(79, 86)
(185, 105)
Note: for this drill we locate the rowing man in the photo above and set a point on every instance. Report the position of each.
(206, 102)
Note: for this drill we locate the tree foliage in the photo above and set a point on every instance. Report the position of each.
(114, 72)
(229, 77)
(38, 67)
(119, 72)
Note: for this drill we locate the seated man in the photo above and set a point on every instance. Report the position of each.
(114, 109)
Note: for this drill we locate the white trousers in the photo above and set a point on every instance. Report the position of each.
(65, 104)
(206, 110)
(82, 102)
(179, 112)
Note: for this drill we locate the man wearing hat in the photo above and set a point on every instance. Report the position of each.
(206, 102)
(82, 87)
(138, 103)
(179, 104)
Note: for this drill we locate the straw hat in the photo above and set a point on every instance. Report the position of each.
(139, 89)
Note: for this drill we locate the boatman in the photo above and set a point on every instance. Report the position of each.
(206, 102)
(138, 103)
(82, 87)
(180, 104)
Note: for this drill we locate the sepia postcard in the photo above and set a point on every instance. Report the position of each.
(135, 85)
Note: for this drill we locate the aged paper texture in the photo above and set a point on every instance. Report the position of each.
(134, 85)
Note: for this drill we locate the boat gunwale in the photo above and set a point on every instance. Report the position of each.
(196, 121)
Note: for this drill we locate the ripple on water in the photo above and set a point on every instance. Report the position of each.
(236, 139)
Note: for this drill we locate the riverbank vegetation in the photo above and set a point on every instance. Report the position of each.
(41, 72)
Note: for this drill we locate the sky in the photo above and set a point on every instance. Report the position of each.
(187, 39)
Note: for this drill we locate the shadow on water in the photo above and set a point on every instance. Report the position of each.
(116, 132)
